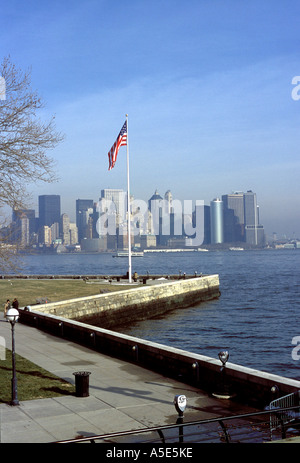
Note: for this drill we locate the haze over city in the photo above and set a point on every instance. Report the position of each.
(207, 87)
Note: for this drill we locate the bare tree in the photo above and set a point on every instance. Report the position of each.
(24, 141)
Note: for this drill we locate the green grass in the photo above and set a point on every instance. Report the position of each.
(28, 291)
(33, 381)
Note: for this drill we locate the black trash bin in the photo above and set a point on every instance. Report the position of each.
(82, 383)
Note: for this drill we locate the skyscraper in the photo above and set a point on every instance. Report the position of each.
(119, 199)
(250, 208)
(241, 219)
(254, 232)
(65, 229)
(84, 209)
(216, 221)
(49, 210)
(234, 217)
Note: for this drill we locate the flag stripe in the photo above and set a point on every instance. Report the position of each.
(120, 141)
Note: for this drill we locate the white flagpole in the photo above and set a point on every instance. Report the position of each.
(128, 211)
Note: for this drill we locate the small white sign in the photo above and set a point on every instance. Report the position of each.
(2, 348)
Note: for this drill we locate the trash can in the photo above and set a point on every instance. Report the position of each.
(82, 383)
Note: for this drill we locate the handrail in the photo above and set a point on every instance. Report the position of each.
(160, 429)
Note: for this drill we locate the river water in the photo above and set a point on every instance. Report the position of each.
(255, 318)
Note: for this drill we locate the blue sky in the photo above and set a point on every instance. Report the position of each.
(206, 84)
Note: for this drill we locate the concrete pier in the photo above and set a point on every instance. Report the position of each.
(125, 306)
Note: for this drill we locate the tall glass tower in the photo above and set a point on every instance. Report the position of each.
(216, 221)
(84, 208)
(49, 210)
(234, 217)
(253, 230)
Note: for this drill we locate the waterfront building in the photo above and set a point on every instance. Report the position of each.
(49, 210)
(45, 236)
(65, 229)
(84, 210)
(250, 208)
(119, 199)
(30, 214)
(20, 230)
(23, 226)
(216, 221)
(254, 235)
(206, 223)
(94, 244)
(165, 219)
(168, 201)
(241, 219)
(254, 231)
(155, 207)
(55, 233)
(234, 217)
(73, 233)
(147, 241)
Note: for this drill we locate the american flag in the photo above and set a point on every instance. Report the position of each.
(120, 141)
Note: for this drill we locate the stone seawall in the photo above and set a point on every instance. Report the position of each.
(125, 306)
(249, 386)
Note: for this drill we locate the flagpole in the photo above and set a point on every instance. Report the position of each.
(128, 211)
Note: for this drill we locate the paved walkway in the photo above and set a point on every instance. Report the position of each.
(123, 396)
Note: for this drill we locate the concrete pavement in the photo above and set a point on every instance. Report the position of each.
(123, 396)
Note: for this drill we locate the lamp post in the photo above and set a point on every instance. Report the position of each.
(12, 316)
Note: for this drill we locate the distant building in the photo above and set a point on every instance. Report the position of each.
(254, 231)
(206, 223)
(234, 217)
(84, 210)
(169, 201)
(49, 210)
(73, 233)
(241, 219)
(55, 234)
(23, 226)
(119, 199)
(45, 236)
(148, 241)
(216, 221)
(165, 219)
(65, 229)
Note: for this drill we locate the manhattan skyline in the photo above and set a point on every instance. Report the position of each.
(207, 87)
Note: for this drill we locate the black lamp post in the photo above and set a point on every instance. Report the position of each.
(12, 316)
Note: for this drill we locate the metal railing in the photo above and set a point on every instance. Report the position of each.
(289, 414)
(250, 427)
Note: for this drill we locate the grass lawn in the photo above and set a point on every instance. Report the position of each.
(28, 291)
(33, 381)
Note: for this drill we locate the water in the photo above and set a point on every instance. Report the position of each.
(255, 318)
